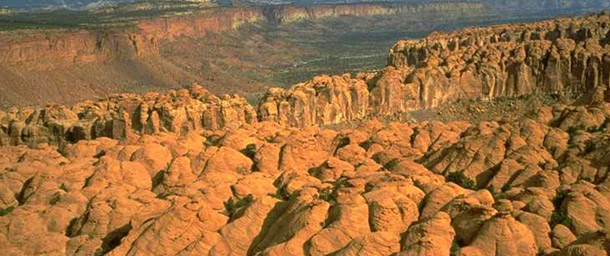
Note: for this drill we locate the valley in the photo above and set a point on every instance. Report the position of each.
(489, 141)
(233, 50)
(436, 129)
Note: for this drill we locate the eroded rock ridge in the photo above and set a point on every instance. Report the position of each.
(565, 56)
(189, 173)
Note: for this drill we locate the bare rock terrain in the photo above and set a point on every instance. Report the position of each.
(189, 173)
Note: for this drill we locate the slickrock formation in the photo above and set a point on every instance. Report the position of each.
(106, 60)
(526, 187)
(188, 173)
(322, 101)
(124, 116)
(566, 56)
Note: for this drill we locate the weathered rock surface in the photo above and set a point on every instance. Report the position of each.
(126, 116)
(187, 173)
(491, 188)
(565, 56)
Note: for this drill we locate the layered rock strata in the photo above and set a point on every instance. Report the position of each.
(526, 187)
(124, 117)
(568, 56)
(134, 54)
(189, 173)
(84, 46)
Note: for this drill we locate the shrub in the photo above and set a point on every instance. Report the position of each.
(63, 187)
(559, 218)
(249, 151)
(7, 210)
(589, 148)
(455, 247)
(558, 199)
(461, 179)
(281, 194)
(54, 199)
(572, 130)
(328, 195)
(366, 144)
(232, 205)
(391, 164)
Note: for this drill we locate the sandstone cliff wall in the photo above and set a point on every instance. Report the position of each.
(41, 66)
(567, 56)
(39, 48)
(283, 14)
(124, 117)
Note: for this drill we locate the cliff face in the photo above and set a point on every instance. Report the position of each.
(90, 46)
(530, 5)
(124, 117)
(37, 50)
(41, 66)
(566, 56)
(283, 14)
(563, 56)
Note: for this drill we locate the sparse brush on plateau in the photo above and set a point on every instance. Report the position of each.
(216, 132)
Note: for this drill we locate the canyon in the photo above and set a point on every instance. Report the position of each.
(186, 172)
(482, 141)
(568, 56)
(104, 61)
(241, 50)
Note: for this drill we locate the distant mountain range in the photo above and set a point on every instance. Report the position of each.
(59, 4)
(93, 4)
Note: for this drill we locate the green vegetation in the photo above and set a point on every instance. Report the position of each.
(573, 130)
(63, 187)
(232, 205)
(329, 194)
(123, 15)
(498, 195)
(249, 151)
(558, 199)
(589, 147)
(461, 179)
(60, 20)
(7, 210)
(165, 195)
(560, 218)
(366, 144)
(213, 140)
(55, 198)
(281, 194)
(391, 164)
(455, 248)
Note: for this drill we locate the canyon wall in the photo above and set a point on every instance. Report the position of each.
(40, 66)
(125, 117)
(82, 46)
(290, 13)
(530, 5)
(568, 56)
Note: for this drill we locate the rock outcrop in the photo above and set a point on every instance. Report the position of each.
(524, 187)
(125, 116)
(188, 173)
(123, 54)
(565, 56)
